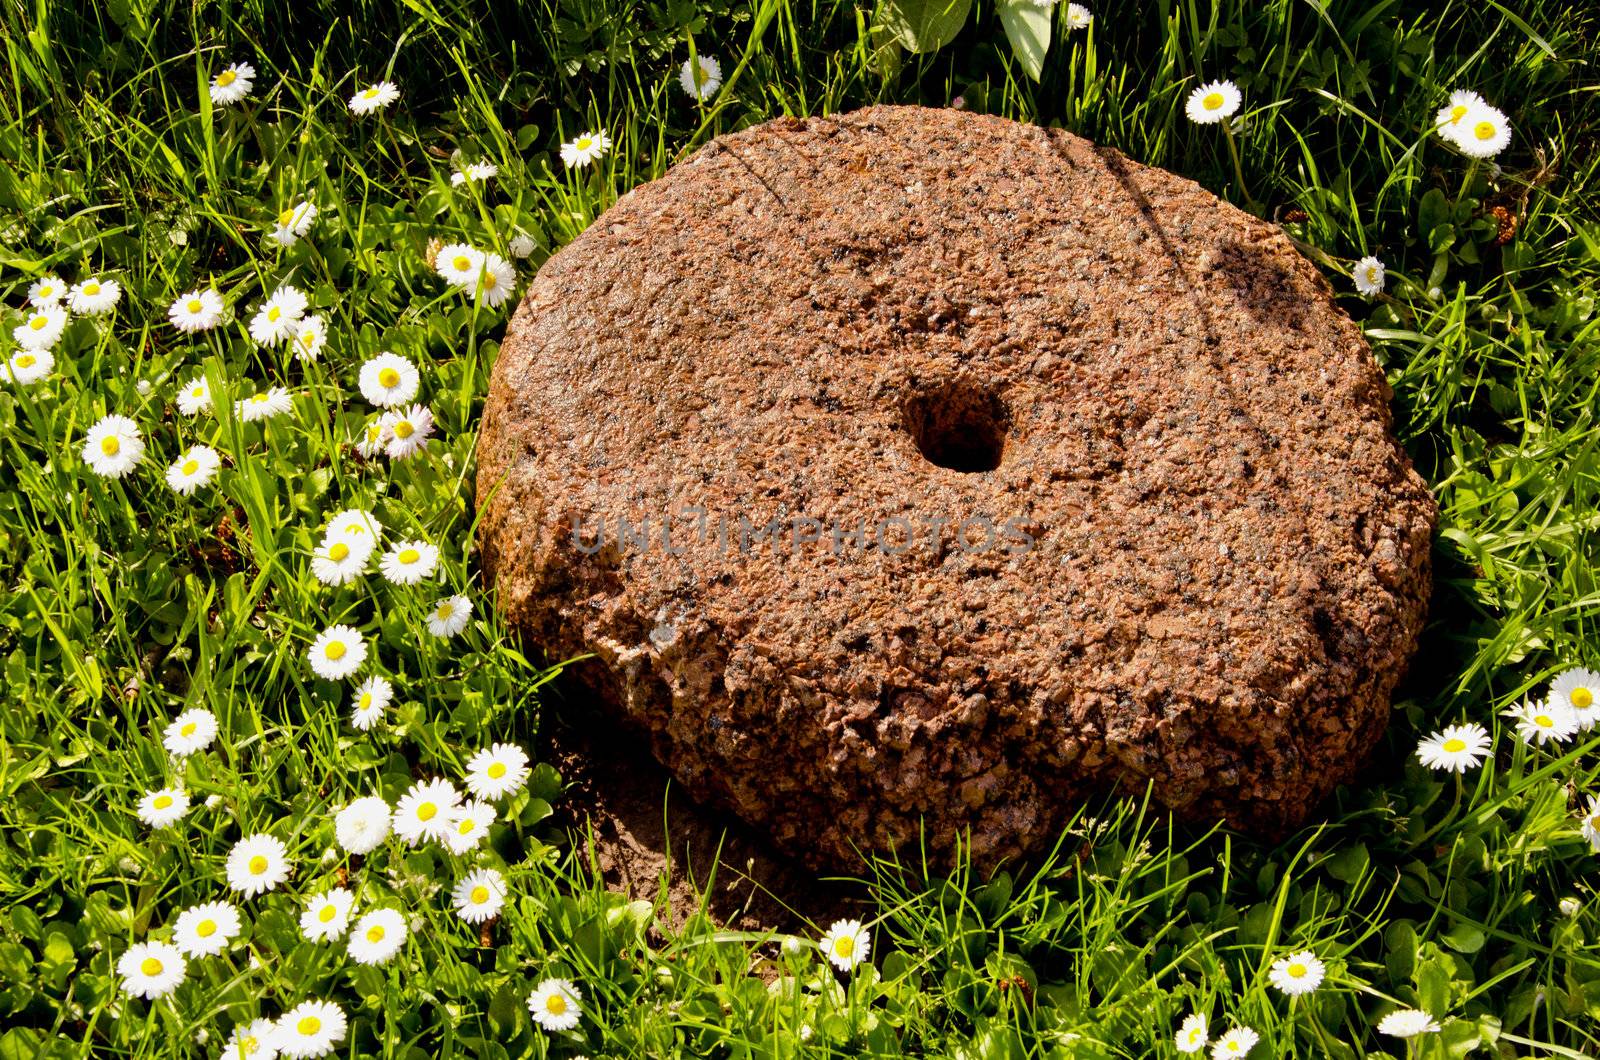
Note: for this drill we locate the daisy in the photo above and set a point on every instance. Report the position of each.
(355, 526)
(205, 930)
(294, 223)
(371, 700)
(1591, 823)
(1212, 103)
(497, 771)
(191, 731)
(1451, 116)
(556, 1005)
(388, 380)
(94, 296)
(252, 1041)
(377, 936)
(1580, 690)
(520, 247)
(163, 807)
(1078, 17)
(1407, 1023)
(426, 811)
(409, 562)
(196, 311)
(458, 265)
(1457, 748)
(195, 397)
(1538, 723)
(495, 281)
(449, 616)
(477, 171)
(263, 405)
(26, 367)
(339, 560)
(151, 969)
(409, 430)
(256, 864)
(700, 77)
(1483, 133)
(1193, 1035)
(327, 915)
(193, 469)
(1237, 1042)
(846, 944)
(46, 291)
(278, 316)
(374, 98)
(337, 652)
(582, 150)
(374, 438)
(310, 335)
(361, 826)
(310, 1029)
(113, 446)
(468, 826)
(479, 895)
(232, 84)
(1368, 276)
(1298, 973)
(42, 328)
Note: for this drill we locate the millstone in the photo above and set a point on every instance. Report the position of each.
(913, 475)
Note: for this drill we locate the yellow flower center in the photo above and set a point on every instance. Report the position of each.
(403, 429)
(226, 78)
(1582, 698)
(427, 811)
(462, 263)
(198, 391)
(375, 933)
(389, 377)
(327, 914)
(366, 700)
(335, 649)
(555, 1004)
(274, 313)
(1212, 101)
(374, 432)
(371, 93)
(46, 291)
(258, 864)
(844, 945)
(339, 551)
(26, 360)
(38, 323)
(286, 216)
(1194, 1035)
(308, 1025)
(161, 802)
(496, 770)
(1544, 721)
(190, 467)
(1484, 130)
(583, 143)
(410, 556)
(1296, 970)
(194, 305)
(490, 279)
(150, 966)
(248, 1044)
(188, 729)
(1458, 112)
(479, 895)
(206, 928)
(444, 612)
(91, 289)
(1455, 745)
(466, 826)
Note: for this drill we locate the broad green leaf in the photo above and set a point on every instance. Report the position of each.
(925, 25)
(1027, 27)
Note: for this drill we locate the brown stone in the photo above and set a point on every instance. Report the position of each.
(908, 314)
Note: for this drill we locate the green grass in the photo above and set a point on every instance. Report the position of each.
(124, 604)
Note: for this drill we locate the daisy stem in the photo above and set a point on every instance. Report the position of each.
(1466, 179)
(1238, 169)
(1450, 816)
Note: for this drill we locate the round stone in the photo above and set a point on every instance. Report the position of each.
(914, 475)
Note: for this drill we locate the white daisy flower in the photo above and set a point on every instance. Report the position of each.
(846, 944)
(479, 895)
(1543, 722)
(1368, 276)
(42, 328)
(327, 915)
(374, 438)
(1078, 17)
(163, 807)
(1483, 133)
(263, 405)
(371, 699)
(458, 265)
(194, 397)
(388, 380)
(190, 732)
(205, 930)
(1591, 823)
(1298, 973)
(1456, 748)
(469, 826)
(113, 446)
(26, 367)
(151, 969)
(257, 863)
(94, 296)
(377, 936)
(449, 616)
(584, 149)
(255, 1040)
(232, 84)
(310, 1029)
(338, 561)
(193, 469)
(477, 171)
(556, 1004)
(409, 430)
(1213, 102)
(1407, 1023)
(294, 223)
(700, 77)
(521, 246)
(1580, 690)
(374, 98)
(1237, 1042)
(363, 825)
(337, 652)
(1451, 116)
(46, 291)
(310, 336)
(1193, 1035)
(497, 771)
(356, 527)
(278, 316)
(426, 811)
(495, 281)
(196, 311)
(409, 562)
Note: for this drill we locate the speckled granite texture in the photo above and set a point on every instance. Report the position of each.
(1212, 563)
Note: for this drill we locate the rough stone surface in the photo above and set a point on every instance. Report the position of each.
(805, 320)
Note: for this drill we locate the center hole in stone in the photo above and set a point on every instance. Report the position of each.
(960, 425)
